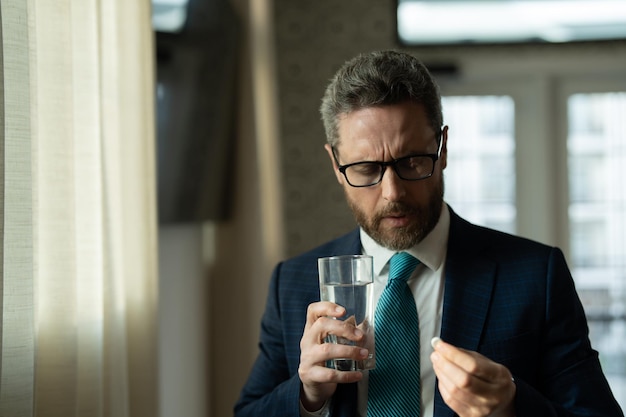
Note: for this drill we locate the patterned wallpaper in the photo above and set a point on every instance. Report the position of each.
(313, 39)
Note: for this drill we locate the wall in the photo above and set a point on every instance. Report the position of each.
(184, 348)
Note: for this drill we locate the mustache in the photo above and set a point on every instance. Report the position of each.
(396, 209)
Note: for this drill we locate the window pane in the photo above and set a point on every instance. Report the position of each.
(480, 176)
(447, 22)
(596, 147)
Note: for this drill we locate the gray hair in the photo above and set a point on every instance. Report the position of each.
(377, 79)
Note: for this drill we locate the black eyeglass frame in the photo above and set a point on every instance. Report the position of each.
(393, 163)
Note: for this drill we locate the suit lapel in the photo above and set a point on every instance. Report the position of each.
(469, 282)
(467, 297)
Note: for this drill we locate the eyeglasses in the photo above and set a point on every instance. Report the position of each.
(410, 168)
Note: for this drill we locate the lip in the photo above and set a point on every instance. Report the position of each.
(397, 221)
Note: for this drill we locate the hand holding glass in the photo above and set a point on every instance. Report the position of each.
(347, 280)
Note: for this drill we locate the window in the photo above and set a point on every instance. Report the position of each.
(480, 177)
(446, 21)
(169, 15)
(490, 159)
(596, 149)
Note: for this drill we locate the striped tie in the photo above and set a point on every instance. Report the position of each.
(394, 386)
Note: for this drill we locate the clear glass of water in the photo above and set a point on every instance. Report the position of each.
(347, 280)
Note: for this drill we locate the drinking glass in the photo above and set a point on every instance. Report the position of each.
(347, 280)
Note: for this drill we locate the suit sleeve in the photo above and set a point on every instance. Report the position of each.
(571, 382)
(270, 389)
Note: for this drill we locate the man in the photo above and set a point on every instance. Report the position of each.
(514, 339)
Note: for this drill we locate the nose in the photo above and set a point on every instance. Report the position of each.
(392, 186)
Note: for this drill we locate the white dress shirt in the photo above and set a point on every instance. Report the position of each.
(427, 285)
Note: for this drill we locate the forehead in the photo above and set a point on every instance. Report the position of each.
(385, 131)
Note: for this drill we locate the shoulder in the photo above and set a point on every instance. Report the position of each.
(295, 283)
(474, 240)
(303, 268)
(348, 244)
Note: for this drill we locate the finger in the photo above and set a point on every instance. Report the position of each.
(326, 375)
(315, 352)
(447, 391)
(323, 309)
(463, 392)
(455, 376)
(323, 375)
(467, 393)
(471, 362)
(312, 369)
(318, 310)
(318, 355)
(322, 320)
(481, 402)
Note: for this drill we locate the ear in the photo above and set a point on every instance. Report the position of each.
(339, 175)
(443, 157)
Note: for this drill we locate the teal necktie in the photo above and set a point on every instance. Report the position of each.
(394, 386)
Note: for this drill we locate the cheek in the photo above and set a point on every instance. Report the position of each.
(364, 198)
(421, 192)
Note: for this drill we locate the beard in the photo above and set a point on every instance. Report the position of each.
(401, 238)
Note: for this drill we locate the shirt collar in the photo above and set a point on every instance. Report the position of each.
(431, 251)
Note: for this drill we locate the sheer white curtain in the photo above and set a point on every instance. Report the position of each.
(78, 276)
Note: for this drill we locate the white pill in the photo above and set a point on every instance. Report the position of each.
(434, 341)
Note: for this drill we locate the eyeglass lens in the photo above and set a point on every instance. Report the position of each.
(370, 173)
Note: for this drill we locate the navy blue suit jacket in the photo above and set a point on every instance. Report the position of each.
(511, 299)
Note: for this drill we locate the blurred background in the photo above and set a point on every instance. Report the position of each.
(534, 93)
